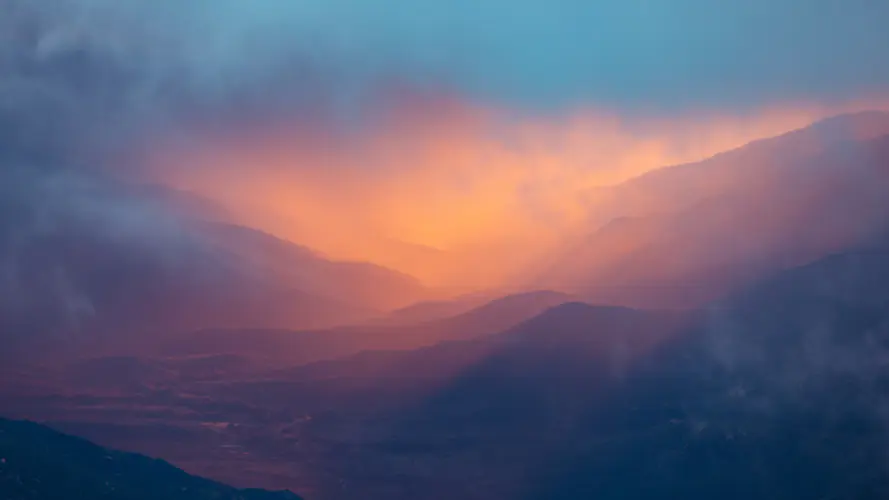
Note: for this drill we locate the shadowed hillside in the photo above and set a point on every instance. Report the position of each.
(37, 463)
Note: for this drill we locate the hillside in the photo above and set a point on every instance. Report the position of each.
(682, 236)
(37, 463)
(780, 382)
(296, 347)
(108, 259)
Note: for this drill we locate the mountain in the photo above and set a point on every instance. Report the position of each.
(405, 424)
(571, 336)
(684, 235)
(741, 169)
(37, 463)
(106, 260)
(431, 310)
(275, 347)
(782, 381)
(358, 283)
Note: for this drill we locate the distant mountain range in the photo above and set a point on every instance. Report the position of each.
(545, 344)
(682, 236)
(296, 347)
(114, 259)
(771, 382)
(275, 260)
(105, 256)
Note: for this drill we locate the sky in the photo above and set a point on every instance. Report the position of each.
(642, 56)
(451, 126)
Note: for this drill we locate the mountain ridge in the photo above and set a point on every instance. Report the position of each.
(801, 208)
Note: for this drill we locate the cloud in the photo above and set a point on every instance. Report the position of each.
(492, 191)
(513, 108)
(82, 74)
(638, 54)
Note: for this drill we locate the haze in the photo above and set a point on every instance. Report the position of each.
(468, 249)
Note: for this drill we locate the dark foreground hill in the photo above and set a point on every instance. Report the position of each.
(37, 463)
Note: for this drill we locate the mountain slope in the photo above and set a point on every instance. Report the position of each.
(37, 463)
(680, 186)
(566, 340)
(431, 310)
(103, 258)
(84, 253)
(694, 232)
(296, 347)
(778, 391)
(358, 283)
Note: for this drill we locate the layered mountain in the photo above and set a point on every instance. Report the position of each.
(566, 340)
(277, 347)
(781, 382)
(430, 310)
(87, 254)
(38, 463)
(279, 260)
(684, 235)
(753, 165)
(142, 364)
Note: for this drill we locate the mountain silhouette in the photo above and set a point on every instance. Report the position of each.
(37, 463)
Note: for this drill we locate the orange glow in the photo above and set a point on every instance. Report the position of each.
(455, 194)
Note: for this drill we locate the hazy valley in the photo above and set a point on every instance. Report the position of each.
(495, 250)
(734, 362)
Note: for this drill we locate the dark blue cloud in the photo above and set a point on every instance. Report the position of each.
(547, 53)
(611, 52)
(88, 72)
